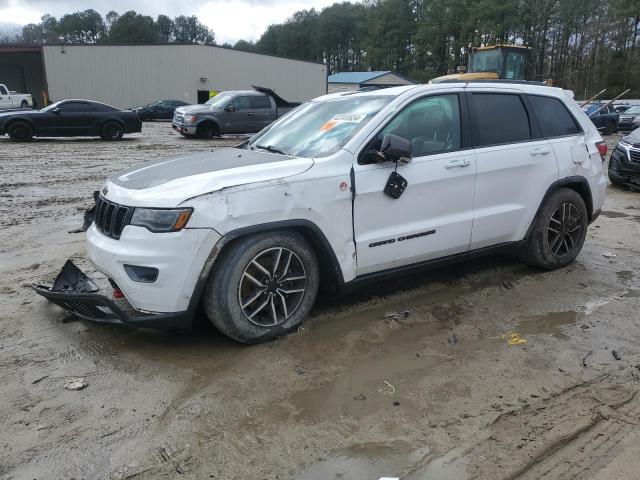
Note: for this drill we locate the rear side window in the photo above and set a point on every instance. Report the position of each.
(259, 102)
(3, 91)
(498, 118)
(553, 117)
(75, 107)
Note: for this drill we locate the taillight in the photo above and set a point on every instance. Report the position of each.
(602, 149)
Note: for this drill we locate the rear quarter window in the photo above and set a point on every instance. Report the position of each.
(498, 118)
(553, 116)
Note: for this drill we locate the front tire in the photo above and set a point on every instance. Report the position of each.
(112, 131)
(20, 131)
(610, 128)
(263, 287)
(208, 131)
(559, 231)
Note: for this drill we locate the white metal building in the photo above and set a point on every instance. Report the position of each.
(349, 81)
(131, 75)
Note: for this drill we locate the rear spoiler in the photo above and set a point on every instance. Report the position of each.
(280, 102)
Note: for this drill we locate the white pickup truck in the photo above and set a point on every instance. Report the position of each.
(9, 99)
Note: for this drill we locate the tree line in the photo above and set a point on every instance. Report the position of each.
(89, 27)
(585, 45)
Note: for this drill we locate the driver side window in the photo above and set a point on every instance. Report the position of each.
(431, 124)
(240, 103)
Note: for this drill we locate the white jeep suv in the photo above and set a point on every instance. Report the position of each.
(346, 187)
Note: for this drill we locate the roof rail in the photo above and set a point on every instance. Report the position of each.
(496, 80)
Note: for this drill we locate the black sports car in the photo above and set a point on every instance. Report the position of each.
(624, 164)
(70, 118)
(160, 109)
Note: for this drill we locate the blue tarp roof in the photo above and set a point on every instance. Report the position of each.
(356, 77)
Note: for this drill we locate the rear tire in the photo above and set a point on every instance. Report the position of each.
(24, 104)
(558, 231)
(20, 131)
(112, 131)
(263, 287)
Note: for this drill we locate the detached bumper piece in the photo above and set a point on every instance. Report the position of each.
(78, 294)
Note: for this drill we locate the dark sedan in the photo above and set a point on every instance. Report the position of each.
(624, 164)
(70, 118)
(603, 117)
(159, 110)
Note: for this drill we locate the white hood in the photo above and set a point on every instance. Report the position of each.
(169, 182)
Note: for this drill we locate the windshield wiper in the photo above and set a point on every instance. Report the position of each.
(271, 149)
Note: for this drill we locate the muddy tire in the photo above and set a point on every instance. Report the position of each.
(112, 131)
(20, 131)
(263, 287)
(558, 232)
(208, 131)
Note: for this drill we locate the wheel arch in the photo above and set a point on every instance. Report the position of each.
(579, 184)
(209, 121)
(330, 272)
(20, 119)
(112, 119)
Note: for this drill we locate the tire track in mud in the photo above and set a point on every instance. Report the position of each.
(567, 435)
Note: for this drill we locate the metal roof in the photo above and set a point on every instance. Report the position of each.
(356, 77)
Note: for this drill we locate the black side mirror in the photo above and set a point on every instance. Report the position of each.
(230, 108)
(396, 148)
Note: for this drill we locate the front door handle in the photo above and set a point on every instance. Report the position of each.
(250, 114)
(457, 163)
(540, 151)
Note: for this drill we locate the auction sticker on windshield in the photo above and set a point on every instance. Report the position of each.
(343, 118)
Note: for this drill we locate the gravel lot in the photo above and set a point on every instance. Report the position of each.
(439, 394)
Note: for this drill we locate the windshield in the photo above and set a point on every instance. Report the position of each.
(487, 61)
(218, 99)
(633, 111)
(318, 129)
(589, 109)
(51, 107)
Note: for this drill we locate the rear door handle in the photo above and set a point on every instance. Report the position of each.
(250, 114)
(540, 151)
(457, 163)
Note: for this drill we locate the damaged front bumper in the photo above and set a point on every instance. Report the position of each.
(78, 294)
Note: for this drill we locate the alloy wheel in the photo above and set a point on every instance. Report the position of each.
(564, 229)
(272, 287)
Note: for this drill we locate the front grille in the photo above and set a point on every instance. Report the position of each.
(634, 155)
(178, 118)
(626, 118)
(111, 218)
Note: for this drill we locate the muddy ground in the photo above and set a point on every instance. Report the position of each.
(440, 394)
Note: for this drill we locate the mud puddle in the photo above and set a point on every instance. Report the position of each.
(365, 461)
(551, 323)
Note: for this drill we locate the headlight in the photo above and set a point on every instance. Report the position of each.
(161, 220)
(190, 118)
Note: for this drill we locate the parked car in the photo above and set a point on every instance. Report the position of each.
(621, 108)
(245, 111)
(604, 118)
(346, 188)
(630, 119)
(10, 100)
(70, 118)
(624, 164)
(159, 110)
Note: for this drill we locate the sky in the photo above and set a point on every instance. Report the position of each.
(231, 20)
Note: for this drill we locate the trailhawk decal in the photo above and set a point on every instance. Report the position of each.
(401, 239)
